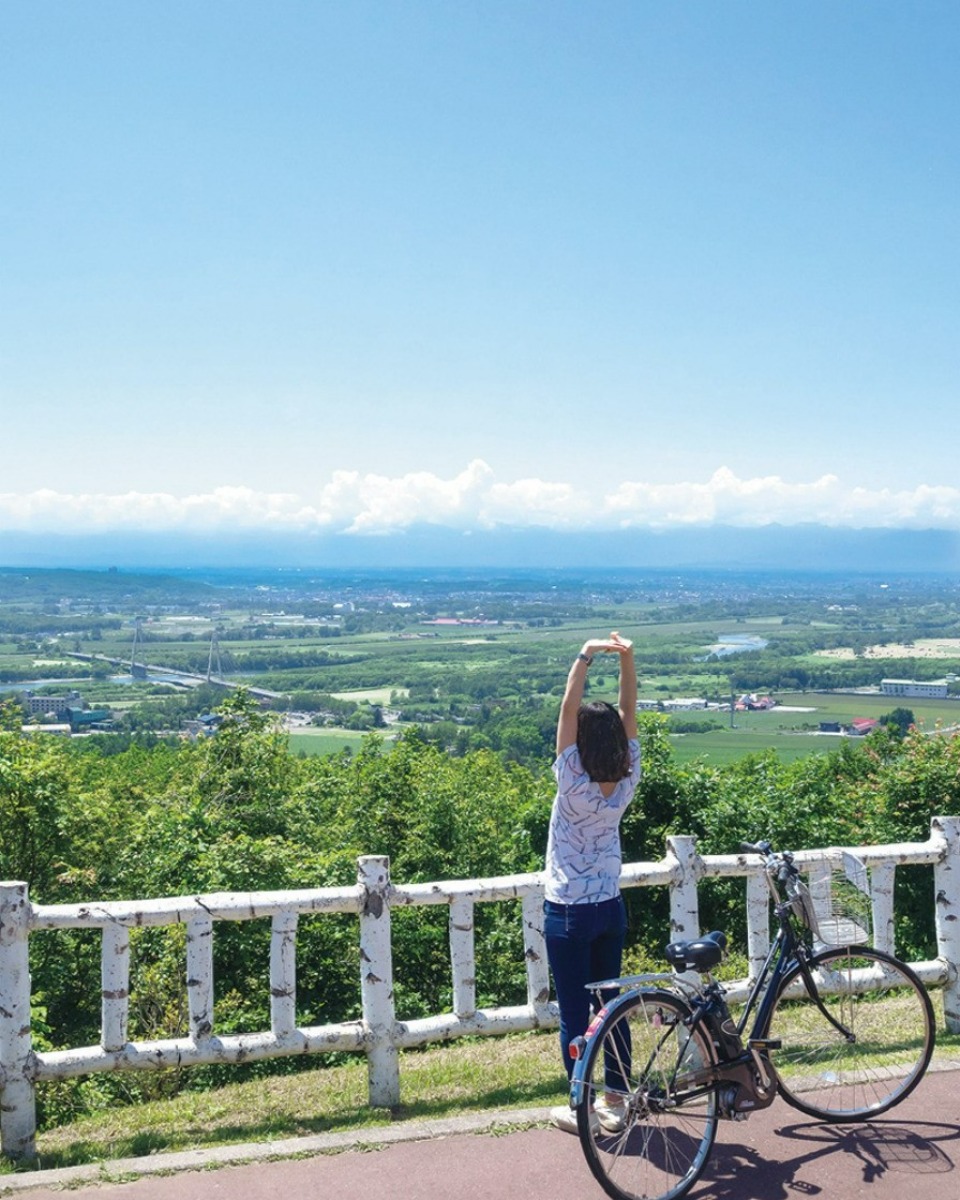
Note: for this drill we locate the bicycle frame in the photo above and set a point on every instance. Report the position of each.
(786, 953)
(750, 1069)
(664, 1060)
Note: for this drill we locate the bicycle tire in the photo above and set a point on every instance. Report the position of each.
(642, 1051)
(889, 1014)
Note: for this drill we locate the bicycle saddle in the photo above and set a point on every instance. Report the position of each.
(698, 955)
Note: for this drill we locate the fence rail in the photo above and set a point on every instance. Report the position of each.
(378, 1033)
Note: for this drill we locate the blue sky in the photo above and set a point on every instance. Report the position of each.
(361, 267)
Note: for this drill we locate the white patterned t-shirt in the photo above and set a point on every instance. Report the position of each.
(583, 845)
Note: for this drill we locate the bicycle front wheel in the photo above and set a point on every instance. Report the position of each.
(648, 1111)
(872, 1050)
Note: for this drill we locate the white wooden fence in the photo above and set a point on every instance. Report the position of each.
(379, 1034)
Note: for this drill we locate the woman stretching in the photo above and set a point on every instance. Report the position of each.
(597, 769)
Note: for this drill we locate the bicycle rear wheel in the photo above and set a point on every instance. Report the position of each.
(888, 1017)
(655, 1071)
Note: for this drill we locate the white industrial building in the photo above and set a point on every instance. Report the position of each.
(934, 689)
(58, 705)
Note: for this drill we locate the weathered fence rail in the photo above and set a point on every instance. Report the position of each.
(378, 1033)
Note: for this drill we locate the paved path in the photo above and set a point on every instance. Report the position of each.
(913, 1153)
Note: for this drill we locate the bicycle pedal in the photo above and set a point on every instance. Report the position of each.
(764, 1044)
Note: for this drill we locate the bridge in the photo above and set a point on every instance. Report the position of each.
(143, 670)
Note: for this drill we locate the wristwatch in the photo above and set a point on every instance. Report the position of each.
(587, 658)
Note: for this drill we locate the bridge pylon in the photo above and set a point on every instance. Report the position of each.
(137, 670)
(214, 657)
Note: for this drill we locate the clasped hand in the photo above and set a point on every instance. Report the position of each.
(615, 644)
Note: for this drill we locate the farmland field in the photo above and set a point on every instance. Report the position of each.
(325, 741)
(374, 695)
(481, 661)
(790, 734)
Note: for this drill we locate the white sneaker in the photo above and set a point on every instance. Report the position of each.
(612, 1118)
(565, 1118)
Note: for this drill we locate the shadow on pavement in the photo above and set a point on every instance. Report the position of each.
(814, 1157)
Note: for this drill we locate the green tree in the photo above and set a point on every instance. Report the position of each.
(900, 719)
(34, 791)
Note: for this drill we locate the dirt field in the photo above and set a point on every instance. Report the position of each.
(922, 648)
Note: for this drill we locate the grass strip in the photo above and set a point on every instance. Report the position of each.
(470, 1076)
(473, 1075)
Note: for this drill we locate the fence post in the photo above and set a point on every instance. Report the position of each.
(283, 975)
(758, 922)
(882, 881)
(376, 981)
(18, 1100)
(684, 903)
(200, 977)
(946, 884)
(463, 957)
(115, 986)
(535, 953)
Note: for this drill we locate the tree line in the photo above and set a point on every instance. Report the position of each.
(237, 812)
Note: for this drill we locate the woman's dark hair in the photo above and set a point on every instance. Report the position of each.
(602, 742)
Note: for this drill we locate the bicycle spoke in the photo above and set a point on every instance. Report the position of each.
(642, 1053)
(889, 1021)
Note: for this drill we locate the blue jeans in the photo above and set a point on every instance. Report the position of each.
(584, 945)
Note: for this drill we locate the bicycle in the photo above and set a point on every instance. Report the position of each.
(841, 1031)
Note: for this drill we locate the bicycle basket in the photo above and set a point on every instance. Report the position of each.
(802, 904)
(841, 901)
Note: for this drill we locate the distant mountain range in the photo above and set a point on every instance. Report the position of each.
(805, 547)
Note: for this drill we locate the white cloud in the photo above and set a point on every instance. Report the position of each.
(535, 502)
(377, 504)
(726, 500)
(354, 503)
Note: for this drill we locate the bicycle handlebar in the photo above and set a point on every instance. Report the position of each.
(779, 864)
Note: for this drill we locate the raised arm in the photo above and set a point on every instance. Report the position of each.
(573, 695)
(627, 702)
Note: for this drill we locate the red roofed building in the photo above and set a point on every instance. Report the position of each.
(861, 726)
